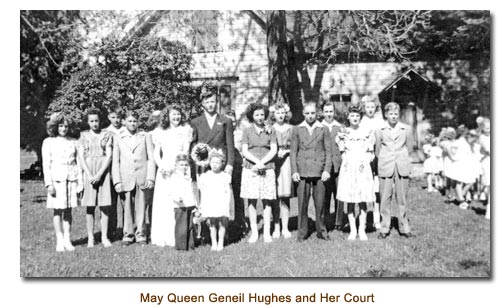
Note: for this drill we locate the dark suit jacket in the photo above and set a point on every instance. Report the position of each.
(311, 155)
(220, 136)
(336, 155)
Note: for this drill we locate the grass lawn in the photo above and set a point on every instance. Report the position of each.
(450, 243)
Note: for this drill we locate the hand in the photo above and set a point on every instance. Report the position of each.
(255, 169)
(325, 176)
(51, 190)
(229, 169)
(119, 188)
(296, 177)
(95, 179)
(281, 153)
(165, 173)
(260, 165)
(149, 184)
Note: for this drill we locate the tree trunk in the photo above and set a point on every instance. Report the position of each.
(277, 54)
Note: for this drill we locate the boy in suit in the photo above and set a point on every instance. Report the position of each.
(311, 159)
(392, 148)
(133, 172)
(331, 184)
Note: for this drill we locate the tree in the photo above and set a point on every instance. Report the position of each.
(145, 74)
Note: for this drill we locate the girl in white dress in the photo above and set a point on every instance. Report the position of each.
(175, 139)
(433, 164)
(484, 142)
(62, 176)
(215, 193)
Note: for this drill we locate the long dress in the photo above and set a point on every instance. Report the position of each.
(95, 147)
(461, 168)
(283, 166)
(355, 175)
(60, 170)
(170, 143)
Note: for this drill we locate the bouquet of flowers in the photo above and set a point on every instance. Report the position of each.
(199, 154)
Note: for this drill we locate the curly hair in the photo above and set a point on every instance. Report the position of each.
(354, 109)
(370, 98)
(165, 119)
(254, 107)
(93, 111)
(117, 110)
(55, 121)
(181, 157)
(154, 119)
(217, 153)
(132, 113)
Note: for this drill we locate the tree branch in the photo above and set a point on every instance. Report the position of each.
(258, 20)
(41, 40)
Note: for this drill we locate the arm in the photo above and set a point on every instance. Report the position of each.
(151, 167)
(377, 142)
(230, 146)
(81, 158)
(271, 154)
(47, 166)
(327, 142)
(294, 148)
(109, 156)
(115, 166)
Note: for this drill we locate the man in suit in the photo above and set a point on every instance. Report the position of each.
(311, 159)
(133, 172)
(331, 184)
(392, 147)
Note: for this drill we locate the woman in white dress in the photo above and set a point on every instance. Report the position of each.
(175, 139)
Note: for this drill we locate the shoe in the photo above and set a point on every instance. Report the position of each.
(142, 242)
(300, 240)
(220, 246)
(323, 237)
(378, 226)
(253, 238)
(464, 206)
(214, 247)
(276, 234)
(383, 235)
(287, 234)
(408, 235)
(268, 239)
(482, 197)
(352, 236)
(362, 236)
(127, 242)
(106, 242)
(67, 244)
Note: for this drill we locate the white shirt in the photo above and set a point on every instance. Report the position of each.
(210, 119)
(310, 129)
(331, 125)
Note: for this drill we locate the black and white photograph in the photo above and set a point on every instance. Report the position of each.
(331, 144)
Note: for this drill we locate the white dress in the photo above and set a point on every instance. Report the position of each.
(215, 190)
(462, 166)
(434, 162)
(169, 143)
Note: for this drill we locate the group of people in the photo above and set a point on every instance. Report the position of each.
(458, 160)
(182, 173)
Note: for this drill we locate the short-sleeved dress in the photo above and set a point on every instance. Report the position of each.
(484, 142)
(215, 190)
(283, 166)
(434, 162)
(94, 148)
(60, 170)
(355, 175)
(462, 168)
(258, 185)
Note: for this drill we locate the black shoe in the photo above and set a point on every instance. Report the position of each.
(383, 235)
(408, 235)
(323, 237)
(300, 240)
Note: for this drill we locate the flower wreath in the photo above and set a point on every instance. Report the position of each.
(199, 154)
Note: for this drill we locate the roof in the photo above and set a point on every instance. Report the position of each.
(410, 74)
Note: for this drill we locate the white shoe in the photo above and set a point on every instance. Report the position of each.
(286, 234)
(464, 206)
(268, 239)
(214, 247)
(59, 243)
(253, 237)
(67, 243)
(378, 226)
(220, 246)
(352, 236)
(106, 242)
(362, 236)
(90, 242)
(276, 234)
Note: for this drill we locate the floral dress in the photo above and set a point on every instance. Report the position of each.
(355, 183)
(283, 166)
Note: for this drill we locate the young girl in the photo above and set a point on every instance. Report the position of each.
(283, 170)
(446, 137)
(258, 178)
(433, 164)
(94, 155)
(484, 141)
(62, 177)
(215, 191)
(372, 122)
(355, 177)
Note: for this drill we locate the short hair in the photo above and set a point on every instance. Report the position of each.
(370, 98)
(254, 107)
(311, 103)
(165, 121)
(216, 153)
(461, 131)
(391, 106)
(93, 111)
(354, 109)
(117, 110)
(55, 121)
(328, 103)
(154, 119)
(207, 91)
(132, 113)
